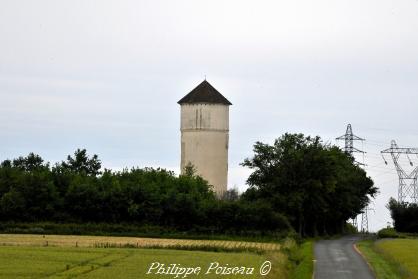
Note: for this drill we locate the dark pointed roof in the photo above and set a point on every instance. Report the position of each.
(204, 93)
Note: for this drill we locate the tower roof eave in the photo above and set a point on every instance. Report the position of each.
(204, 93)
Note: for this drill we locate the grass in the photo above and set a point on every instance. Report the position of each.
(381, 267)
(64, 262)
(37, 256)
(402, 252)
(304, 261)
(392, 258)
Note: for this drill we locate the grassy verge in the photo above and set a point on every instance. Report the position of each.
(382, 268)
(302, 258)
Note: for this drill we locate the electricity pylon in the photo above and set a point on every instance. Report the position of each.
(349, 139)
(349, 148)
(364, 221)
(407, 192)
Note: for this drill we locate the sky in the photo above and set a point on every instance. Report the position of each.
(107, 75)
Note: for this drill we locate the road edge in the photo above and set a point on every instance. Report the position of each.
(364, 258)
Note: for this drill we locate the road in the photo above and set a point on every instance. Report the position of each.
(337, 259)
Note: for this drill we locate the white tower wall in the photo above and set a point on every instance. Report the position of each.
(204, 142)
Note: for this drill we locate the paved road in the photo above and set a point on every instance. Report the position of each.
(337, 259)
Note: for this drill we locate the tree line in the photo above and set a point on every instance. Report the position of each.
(76, 190)
(404, 215)
(298, 184)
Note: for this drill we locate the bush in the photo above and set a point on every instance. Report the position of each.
(350, 229)
(387, 233)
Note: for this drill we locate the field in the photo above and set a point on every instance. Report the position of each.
(137, 242)
(403, 252)
(381, 267)
(395, 258)
(38, 256)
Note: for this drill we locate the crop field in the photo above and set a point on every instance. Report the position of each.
(403, 252)
(36, 256)
(111, 241)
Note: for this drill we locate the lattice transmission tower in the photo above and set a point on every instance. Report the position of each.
(364, 228)
(407, 190)
(349, 139)
(349, 148)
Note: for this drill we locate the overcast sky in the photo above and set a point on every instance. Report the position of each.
(106, 76)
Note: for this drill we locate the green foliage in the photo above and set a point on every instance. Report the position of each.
(82, 164)
(404, 215)
(388, 233)
(76, 191)
(316, 186)
(235, 217)
(30, 163)
(298, 184)
(350, 229)
(189, 170)
(230, 195)
(12, 204)
(302, 259)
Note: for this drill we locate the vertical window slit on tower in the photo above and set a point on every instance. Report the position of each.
(200, 117)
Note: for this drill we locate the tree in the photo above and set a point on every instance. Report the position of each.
(29, 163)
(230, 195)
(404, 215)
(189, 170)
(6, 164)
(12, 205)
(83, 200)
(72, 191)
(316, 186)
(82, 164)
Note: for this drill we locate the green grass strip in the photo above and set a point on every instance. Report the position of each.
(382, 268)
(304, 261)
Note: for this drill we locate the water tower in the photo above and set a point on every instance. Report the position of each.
(205, 134)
